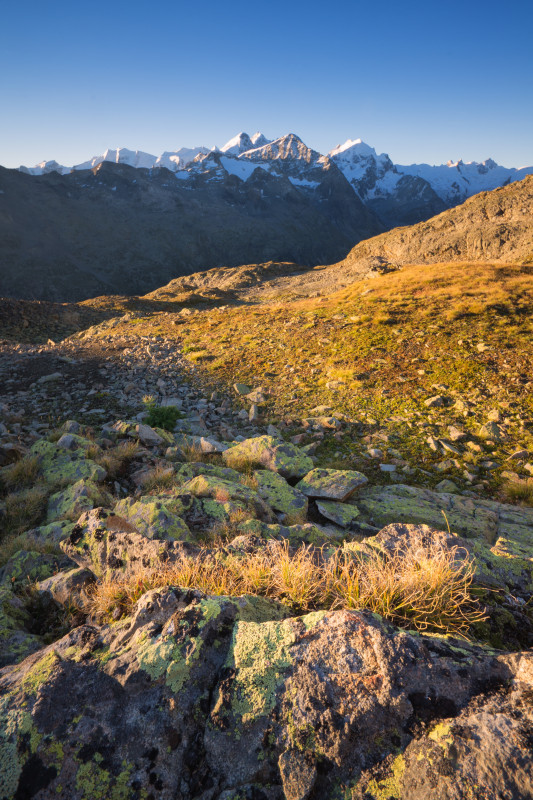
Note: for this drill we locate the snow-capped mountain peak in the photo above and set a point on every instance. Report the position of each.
(175, 160)
(44, 168)
(288, 147)
(355, 148)
(242, 142)
(398, 194)
(133, 158)
(258, 140)
(238, 144)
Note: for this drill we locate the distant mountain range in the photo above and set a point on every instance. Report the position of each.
(398, 194)
(128, 222)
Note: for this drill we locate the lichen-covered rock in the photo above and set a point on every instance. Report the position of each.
(27, 566)
(331, 484)
(481, 753)
(72, 441)
(280, 495)
(270, 453)
(59, 466)
(73, 500)
(199, 513)
(197, 697)
(206, 444)
(308, 533)
(500, 535)
(152, 517)
(67, 586)
(191, 469)
(16, 640)
(108, 545)
(223, 490)
(50, 534)
(339, 513)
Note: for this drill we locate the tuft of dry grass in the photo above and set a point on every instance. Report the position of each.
(115, 460)
(13, 543)
(22, 473)
(422, 586)
(25, 508)
(519, 491)
(223, 532)
(193, 453)
(295, 518)
(158, 478)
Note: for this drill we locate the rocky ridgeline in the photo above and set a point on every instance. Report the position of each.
(191, 695)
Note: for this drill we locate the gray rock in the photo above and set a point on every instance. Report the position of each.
(148, 436)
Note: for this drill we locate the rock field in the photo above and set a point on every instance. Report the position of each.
(191, 694)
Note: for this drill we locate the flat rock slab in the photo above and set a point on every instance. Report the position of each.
(270, 453)
(331, 484)
(338, 513)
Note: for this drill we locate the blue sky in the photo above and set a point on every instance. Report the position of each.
(422, 81)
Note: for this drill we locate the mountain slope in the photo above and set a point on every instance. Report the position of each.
(398, 194)
(492, 226)
(117, 229)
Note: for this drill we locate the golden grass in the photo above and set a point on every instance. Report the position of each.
(468, 286)
(158, 478)
(193, 453)
(25, 508)
(115, 460)
(13, 543)
(519, 491)
(422, 586)
(22, 473)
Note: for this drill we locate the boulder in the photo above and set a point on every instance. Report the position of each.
(339, 513)
(73, 501)
(331, 484)
(59, 466)
(148, 436)
(109, 545)
(67, 586)
(280, 495)
(222, 490)
(270, 453)
(197, 697)
(153, 518)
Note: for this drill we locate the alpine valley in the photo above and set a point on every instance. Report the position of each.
(128, 221)
(266, 502)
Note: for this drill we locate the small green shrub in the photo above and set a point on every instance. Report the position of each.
(162, 417)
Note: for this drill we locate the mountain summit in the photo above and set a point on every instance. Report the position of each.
(398, 194)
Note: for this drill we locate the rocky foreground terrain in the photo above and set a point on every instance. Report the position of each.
(131, 672)
(271, 539)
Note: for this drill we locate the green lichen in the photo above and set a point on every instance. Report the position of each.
(95, 783)
(279, 494)
(39, 673)
(161, 657)
(260, 653)
(441, 734)
(388, 788)
(15, 723)
(153, 518)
